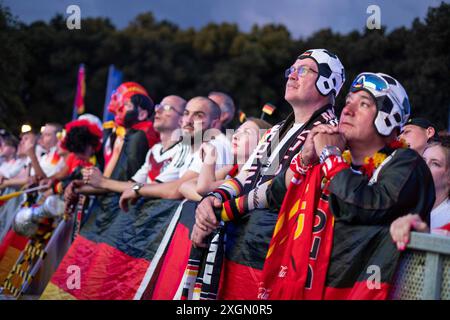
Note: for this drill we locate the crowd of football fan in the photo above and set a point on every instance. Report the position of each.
(378, 164)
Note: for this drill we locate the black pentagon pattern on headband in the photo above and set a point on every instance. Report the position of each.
(397, 117)
(388, 122)
(384, 104)
(330, 54)
(324, 70)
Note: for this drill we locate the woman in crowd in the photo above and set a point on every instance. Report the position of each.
(11, 164)
(437, 157)
(244, 141)
(83, 139)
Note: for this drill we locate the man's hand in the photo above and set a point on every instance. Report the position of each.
(328, 136)
(92, 176)
(29, 147)
(309, 154)
(31, 181)
(70, 194)
(45, 182)
(401, 229)
(205, 218)
(128, 196)
(208, 153)
(198, 237)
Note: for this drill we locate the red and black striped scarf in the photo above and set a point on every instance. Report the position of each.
(202, 274)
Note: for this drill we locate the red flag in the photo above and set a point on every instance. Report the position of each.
(81, 91)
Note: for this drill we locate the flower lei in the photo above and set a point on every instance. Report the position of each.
(372, 163)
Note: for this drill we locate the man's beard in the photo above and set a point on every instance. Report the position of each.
(192, 137)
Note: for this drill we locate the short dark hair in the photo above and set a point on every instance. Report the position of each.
(215, 109)
(144, 102)
(228, 103)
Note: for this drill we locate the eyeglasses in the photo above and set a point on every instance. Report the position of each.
(301, 71)
(370, 81)
(166, 107)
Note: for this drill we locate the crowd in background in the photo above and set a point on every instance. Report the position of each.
(184, 148)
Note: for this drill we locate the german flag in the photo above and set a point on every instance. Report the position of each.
(79, 107)
(11, 243)
(10, 248)
(242, 117)
(113, 251)
(268, 109)
(167, 281)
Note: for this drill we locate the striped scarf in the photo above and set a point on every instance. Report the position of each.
(202, 275)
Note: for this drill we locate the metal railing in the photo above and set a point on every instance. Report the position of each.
(423, 272)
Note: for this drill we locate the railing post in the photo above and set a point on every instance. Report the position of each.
(432, 277)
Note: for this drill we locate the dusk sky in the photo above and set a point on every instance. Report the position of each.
(301, 17)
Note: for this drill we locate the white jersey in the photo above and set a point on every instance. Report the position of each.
(224, 155)
(10, 169)
(440, 216)
(51, 162)
(163, 165)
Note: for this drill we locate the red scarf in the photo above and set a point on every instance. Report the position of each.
(150, 133)
(297, 260)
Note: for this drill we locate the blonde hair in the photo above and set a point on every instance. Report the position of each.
(260, 123)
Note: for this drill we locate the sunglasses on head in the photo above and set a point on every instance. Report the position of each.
(370, 81)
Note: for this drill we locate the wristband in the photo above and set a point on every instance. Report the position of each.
(328, 151)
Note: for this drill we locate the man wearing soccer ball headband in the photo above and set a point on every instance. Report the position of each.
(313, 82)
(332, 236)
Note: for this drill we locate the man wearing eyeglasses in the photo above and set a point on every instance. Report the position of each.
(162, 162)
(313, 82)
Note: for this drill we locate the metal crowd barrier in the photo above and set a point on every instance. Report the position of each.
(423, 272)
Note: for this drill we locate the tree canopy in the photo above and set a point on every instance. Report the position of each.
(39, 63)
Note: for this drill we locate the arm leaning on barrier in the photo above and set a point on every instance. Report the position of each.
(401, 229)
(165, 190)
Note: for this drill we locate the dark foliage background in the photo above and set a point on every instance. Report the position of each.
(39, 63)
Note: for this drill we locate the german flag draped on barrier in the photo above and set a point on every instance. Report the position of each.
(11, 243)
(91, 247)
(177, 251)
(113, 250)
(168, 282)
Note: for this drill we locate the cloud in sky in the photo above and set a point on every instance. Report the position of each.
(301, 17)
